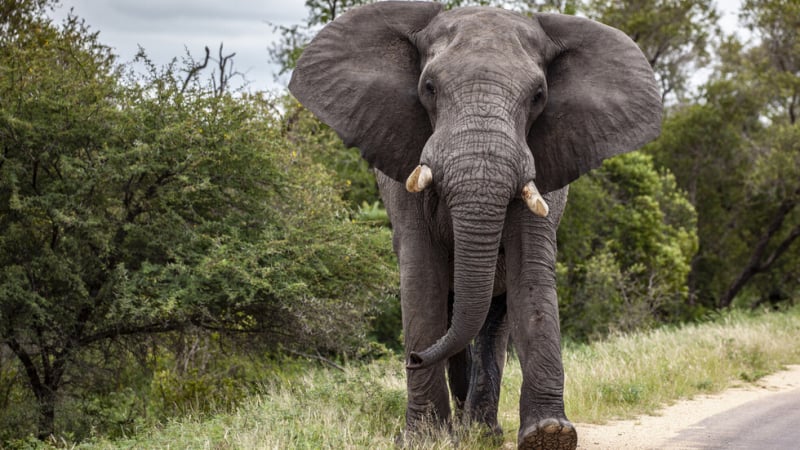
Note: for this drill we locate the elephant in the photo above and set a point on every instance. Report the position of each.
(475, 120)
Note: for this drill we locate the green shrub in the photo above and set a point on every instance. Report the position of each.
(133, 205)
(625, 246)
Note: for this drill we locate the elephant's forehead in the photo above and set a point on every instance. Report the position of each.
(482, 28)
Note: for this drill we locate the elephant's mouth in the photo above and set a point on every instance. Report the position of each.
(422, 177)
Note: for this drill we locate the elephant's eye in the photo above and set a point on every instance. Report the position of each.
(537, 97)
(430, 88)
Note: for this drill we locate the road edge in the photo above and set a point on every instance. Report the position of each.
(654, 431)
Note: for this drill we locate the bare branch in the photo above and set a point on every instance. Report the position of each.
(225, 64)
(133, 330)
(191, 73)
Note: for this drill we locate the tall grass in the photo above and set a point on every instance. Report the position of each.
(639, 373)
(363, 406)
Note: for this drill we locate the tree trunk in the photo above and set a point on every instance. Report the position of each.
(46, 399)
(43, 389)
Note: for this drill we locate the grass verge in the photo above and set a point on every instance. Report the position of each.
(363, 406)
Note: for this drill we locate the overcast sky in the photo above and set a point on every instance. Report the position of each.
(165, 27)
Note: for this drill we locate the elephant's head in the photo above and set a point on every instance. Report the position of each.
(484, 106)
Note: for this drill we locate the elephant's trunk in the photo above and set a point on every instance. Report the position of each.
(477, 242)
(481, 162)
(477, 229)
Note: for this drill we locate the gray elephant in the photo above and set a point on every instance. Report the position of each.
(476, 119)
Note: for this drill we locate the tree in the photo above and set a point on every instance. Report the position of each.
(130, 207)
(773, 195)
(38, 213)
(700, 144)
(771, 70)
(777, 24)
(741, 144)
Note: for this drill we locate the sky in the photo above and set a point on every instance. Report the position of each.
(166, 28)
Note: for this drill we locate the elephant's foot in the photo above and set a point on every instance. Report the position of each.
(494, 430)
(485, 418)
(549, 434)
(493, 434)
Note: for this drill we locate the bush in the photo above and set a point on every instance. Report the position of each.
(625, 246)
(137, 205)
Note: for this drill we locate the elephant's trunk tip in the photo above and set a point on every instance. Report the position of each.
(534, 200)
(416, 361)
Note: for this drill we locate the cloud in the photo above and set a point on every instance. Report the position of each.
(277, 9)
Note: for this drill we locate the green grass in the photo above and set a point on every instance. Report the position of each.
(363, 406)
(640, 373)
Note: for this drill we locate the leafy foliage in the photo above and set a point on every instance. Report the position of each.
(142, 204)
(625, 245)
(322, 146)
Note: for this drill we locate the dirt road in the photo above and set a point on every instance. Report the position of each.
(764, 415)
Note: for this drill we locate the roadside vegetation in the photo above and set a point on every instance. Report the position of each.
(183, 264)
(362, 405)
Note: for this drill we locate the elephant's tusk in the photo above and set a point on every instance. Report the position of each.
(419, 179)
(534, 200)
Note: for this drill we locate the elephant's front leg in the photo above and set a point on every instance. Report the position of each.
(424, 283)
(530, 245)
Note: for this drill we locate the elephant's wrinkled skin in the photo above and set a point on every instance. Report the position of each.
(475, 104)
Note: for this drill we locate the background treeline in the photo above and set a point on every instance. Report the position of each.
(169, 246)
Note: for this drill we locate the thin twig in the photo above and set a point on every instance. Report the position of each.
(318, 357)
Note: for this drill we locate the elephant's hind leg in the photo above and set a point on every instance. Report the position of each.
(458, 370)
(487, 362)
(458, 379)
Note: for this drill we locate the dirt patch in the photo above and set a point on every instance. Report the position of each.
(653, 432)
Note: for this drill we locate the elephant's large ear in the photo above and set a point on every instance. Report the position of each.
(359, 75)
(602, 100)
